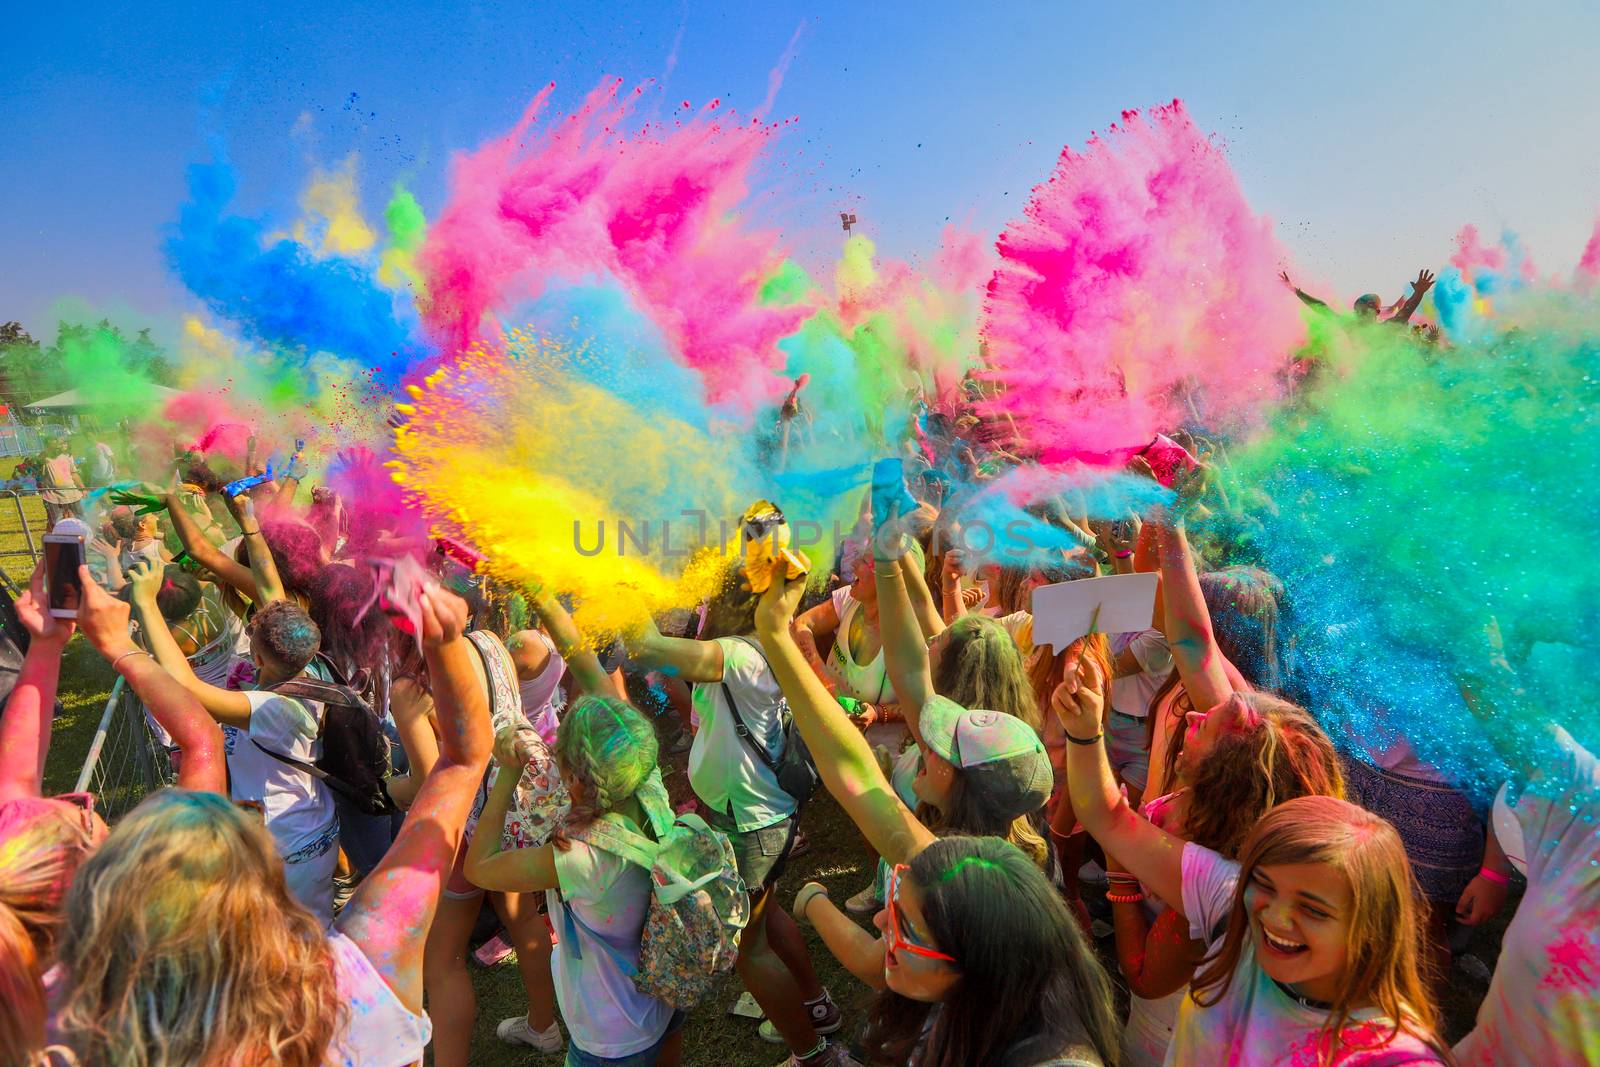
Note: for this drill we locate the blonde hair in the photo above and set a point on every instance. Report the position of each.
(182, 945)
(1384, 944)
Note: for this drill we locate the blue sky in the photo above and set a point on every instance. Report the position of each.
(1369, 133)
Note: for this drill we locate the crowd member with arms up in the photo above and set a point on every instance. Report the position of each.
(981, 961)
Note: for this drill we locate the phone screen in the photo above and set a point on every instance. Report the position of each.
(61, 562)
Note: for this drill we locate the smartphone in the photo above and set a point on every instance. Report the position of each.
(1167, 459)
(63, 555)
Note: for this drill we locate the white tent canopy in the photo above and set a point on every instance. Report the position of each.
(72, 399)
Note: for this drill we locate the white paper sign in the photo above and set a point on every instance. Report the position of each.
(1115, 604)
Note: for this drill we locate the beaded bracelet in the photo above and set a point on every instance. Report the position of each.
(1124, 898)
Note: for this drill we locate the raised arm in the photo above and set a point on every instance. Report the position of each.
(104, 620)
(1194, 646)
(263, 569)
(391, 912)
(843, 756)
(581, 660)
(688, 659)
(1419, 288)
(226, 569)
(1154, 856)
(523, 870)
(227, 706)
(25, 724)
(1305, 297)
(905, 650)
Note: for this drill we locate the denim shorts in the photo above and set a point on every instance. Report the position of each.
(576, 1057)
(760, 854)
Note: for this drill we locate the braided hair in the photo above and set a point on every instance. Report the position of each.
(609, 749)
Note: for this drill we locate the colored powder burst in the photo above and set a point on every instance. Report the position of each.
(510, 450)
(97, 362)
(280, 293)
(1415, 494)
(407, 228)
(1588, 271)
(333, 210)
(1136, 294)
(655, 210)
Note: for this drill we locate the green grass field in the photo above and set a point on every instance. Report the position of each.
(713, 1038)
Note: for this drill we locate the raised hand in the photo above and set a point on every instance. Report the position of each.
(33, 611)
(1423, 283)
(145, 578)
(103, 618)
(775, 611)
(1080, 700)
(444, 616)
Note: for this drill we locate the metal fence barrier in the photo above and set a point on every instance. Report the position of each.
(125, 763)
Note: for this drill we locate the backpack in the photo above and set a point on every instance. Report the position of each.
(794, 768)
(355, 750)
(698, 907)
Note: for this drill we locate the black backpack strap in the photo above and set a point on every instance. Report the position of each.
(338, 785)
(322, 692)
(739, 726)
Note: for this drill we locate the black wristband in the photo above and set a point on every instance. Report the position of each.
(1085, 741)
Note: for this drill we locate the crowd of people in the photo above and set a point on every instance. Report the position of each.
(371, 741)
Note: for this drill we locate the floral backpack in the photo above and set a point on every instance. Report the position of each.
(697, 911)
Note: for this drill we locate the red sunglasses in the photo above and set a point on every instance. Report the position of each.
(897, 941)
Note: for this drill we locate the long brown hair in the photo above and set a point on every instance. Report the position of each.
(1384, 943)
(183, 945)
(1282, 755)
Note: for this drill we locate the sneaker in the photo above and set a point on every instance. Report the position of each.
(1100, 928)
(517, 1031)
(866, 902)
(493, 951)
(684, 742)
(1092, 873)
(802, 845)
(832, 1056)
(826, 1018)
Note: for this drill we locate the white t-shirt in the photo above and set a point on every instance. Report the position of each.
(1131, 694)
(1542, 1007)
(1256, 1023)
(299, 809)
(379, 1031)
(539, 701)
(724, 773)
(606, 1015)
(864, 681)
